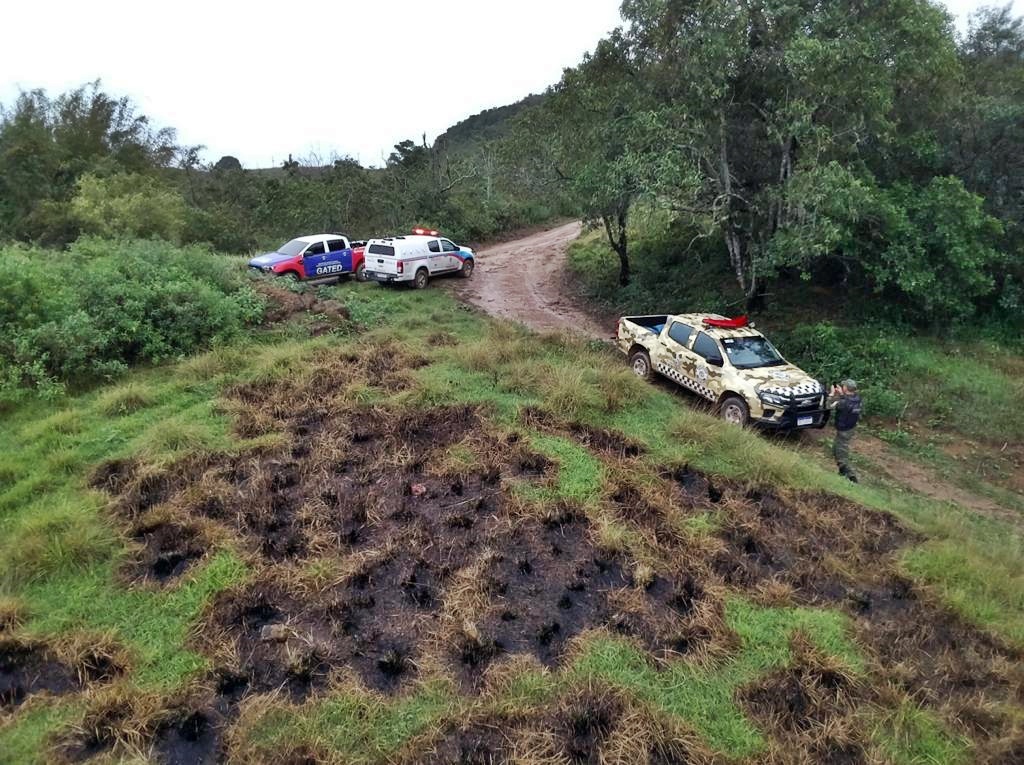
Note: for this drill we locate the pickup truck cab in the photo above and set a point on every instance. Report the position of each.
(414, 259)
(315, 258)
(727, 362)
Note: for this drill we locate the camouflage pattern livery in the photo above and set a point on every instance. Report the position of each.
(778, 394)
(841, 451)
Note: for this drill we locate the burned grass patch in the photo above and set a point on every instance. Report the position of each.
(30, 668)
(482, 742)
(189, 737)
(822, 550)
(810, 708)
(609, 443)
(168, 549)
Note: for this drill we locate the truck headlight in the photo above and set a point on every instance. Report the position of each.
(773, 399)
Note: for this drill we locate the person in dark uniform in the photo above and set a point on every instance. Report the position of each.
(845, 403)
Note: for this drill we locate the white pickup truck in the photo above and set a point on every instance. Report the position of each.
(415, 259)
(727, 362)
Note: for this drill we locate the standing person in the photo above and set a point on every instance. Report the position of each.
(845, 402)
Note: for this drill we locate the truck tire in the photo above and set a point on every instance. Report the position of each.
(421, 279)
(360, 274)
(640, 363)
(467, 269)
(735, 411)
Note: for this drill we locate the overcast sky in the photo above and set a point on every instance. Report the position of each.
(260, 80)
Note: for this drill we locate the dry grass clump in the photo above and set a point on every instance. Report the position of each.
(119, 720)
(125, 399)
(12, 613)
(594, 723)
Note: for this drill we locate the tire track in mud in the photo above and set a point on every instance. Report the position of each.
(522, 280)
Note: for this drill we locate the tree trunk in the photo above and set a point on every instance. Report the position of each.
(733, 242)
(617, 239)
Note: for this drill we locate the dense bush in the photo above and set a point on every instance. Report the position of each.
(128, 205)
(870, 355)
(89, 312)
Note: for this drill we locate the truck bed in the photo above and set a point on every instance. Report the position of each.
(653, 324)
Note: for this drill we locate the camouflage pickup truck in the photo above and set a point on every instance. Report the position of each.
(727, 362)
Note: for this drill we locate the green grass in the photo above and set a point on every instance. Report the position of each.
(580, 474)
(909, 735)
(60, 550)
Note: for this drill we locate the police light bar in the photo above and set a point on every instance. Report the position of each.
(738, 323)
(420, 231)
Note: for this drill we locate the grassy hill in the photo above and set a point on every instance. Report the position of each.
(385, 528)
(488, 125)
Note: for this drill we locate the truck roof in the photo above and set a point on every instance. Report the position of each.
(309, 238)
(696, 320)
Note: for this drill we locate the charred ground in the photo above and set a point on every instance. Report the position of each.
(441, 562)
(455, 551)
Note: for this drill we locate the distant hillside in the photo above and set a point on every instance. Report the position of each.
(485, 126)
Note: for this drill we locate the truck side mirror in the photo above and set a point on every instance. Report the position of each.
(716, 361)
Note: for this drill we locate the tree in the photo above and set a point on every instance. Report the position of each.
(227, 163)
(604, 148)
(46, 145)
(754, 93)
(129, 205)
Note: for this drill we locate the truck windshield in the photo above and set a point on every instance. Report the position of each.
(292, 248)
(751, 352)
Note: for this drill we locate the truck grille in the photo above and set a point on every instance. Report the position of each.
(807, 402)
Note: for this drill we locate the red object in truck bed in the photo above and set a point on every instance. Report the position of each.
(738, 323)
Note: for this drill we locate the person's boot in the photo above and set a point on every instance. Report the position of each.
(852, 478)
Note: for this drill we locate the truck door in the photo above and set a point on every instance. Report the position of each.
(339, 256)
(709, 363)
(452, 263)
(438, 260)
(313, 260)
(678, 362)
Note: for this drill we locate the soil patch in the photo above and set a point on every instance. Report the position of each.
(168, 550)
(478, 743)
(283, 304)
(27, 669)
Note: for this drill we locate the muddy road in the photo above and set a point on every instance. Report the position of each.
(524, 280)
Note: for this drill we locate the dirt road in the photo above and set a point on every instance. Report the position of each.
(523, 280)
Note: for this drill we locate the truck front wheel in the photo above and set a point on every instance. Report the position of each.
(640, 362)
(735, 411)
(467, 268)
(420, 280)
(361, 272)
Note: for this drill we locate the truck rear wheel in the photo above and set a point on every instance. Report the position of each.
(640, 362)
(735, 411)
(361, 273)
(420, 280)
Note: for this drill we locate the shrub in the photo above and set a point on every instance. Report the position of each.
(88, 313)
(868, 354)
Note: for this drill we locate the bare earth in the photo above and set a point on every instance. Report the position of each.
(522, 280)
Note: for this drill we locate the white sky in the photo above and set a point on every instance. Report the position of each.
(260, 80)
